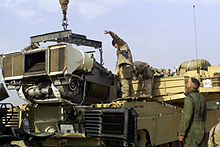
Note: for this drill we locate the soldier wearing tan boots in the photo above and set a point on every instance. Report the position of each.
(124, 65)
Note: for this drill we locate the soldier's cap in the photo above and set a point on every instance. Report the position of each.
(196, 82)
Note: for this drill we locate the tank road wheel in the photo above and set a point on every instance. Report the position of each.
(143, 139)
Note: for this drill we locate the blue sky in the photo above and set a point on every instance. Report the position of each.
(160, 32)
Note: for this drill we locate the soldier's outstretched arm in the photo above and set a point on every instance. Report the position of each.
(115, 37)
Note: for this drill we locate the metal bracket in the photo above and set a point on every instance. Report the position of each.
(68, 37)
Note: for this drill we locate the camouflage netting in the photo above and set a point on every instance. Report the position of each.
(200, 64)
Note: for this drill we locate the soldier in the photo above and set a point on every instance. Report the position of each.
(214, 136)
(192, 124)
(144, 72)
(124, 65)
(33, 45)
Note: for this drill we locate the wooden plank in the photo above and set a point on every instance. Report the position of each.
(173, 90)
(169, 78)
(175, 83)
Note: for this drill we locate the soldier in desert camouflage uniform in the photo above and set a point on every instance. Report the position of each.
(124, 65)
(143, 72)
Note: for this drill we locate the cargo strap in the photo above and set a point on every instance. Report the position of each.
(188, 66)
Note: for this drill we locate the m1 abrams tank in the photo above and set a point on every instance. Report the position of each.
(58, 79)
(72, 98)
(61, 83)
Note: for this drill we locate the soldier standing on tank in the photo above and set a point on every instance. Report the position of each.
(144, 72)
(124, 65)
(192, 124)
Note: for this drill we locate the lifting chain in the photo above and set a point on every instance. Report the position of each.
(101, 56)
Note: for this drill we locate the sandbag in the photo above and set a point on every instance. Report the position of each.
(200, 64)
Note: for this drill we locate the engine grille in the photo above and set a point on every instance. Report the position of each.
(115, 123)
(93, 121)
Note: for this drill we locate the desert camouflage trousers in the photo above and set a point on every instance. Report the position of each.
(126, 75)
(148, 86)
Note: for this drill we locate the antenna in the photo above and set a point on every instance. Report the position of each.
(195, 31)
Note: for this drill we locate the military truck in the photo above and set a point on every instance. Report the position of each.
(73, 98)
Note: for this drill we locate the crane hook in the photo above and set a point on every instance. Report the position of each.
(64, 6)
